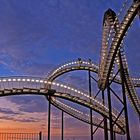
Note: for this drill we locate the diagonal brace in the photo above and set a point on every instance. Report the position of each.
(98, 127)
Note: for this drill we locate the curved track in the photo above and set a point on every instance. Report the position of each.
(110, 20)
(26, 85)
(83, 65)
(108, 58)
(74, 66)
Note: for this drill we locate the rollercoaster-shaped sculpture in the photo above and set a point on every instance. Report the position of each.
(111, 54)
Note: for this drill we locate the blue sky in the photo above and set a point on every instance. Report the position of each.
(38, 35)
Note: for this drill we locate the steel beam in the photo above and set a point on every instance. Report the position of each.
(116, 95)
(105, 120)
(124, 97)
(62, 127)
(91, 123)
(110, 110)
(49, 119)
(98, 126)
(40, 135)
(97, 94)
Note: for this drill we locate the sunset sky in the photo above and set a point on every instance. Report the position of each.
(38, 35)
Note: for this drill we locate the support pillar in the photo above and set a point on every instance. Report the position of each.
(62, 131)
(114, 136)
(124, 97)
(126, 114)
(91, 123)
(40, 135)
(110, 111)
(49, 119)
(105, 120)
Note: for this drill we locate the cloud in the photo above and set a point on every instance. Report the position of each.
(28, 120)
(30, 104)
(34, 34)
(24, 109)
(23, 62)
(9, 111)
(29, 31)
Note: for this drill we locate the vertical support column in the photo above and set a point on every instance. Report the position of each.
(62, 125)
(126, 113)
(110, 110)
(105, 120)
(49, 119)
(40, 135)
(91, 123)
(114, 136)
(124, 98)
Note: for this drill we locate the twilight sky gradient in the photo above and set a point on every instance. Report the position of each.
(38, 35)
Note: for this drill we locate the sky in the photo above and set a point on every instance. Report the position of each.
(38, 35)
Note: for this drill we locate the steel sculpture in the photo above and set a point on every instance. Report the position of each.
(111, 54)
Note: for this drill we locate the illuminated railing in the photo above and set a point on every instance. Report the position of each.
(84, 65)
(107, 69)
(70, 66)
(21, 85)
(117, 40)
(82, 116)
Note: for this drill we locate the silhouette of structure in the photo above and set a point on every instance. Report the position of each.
(112, 69)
